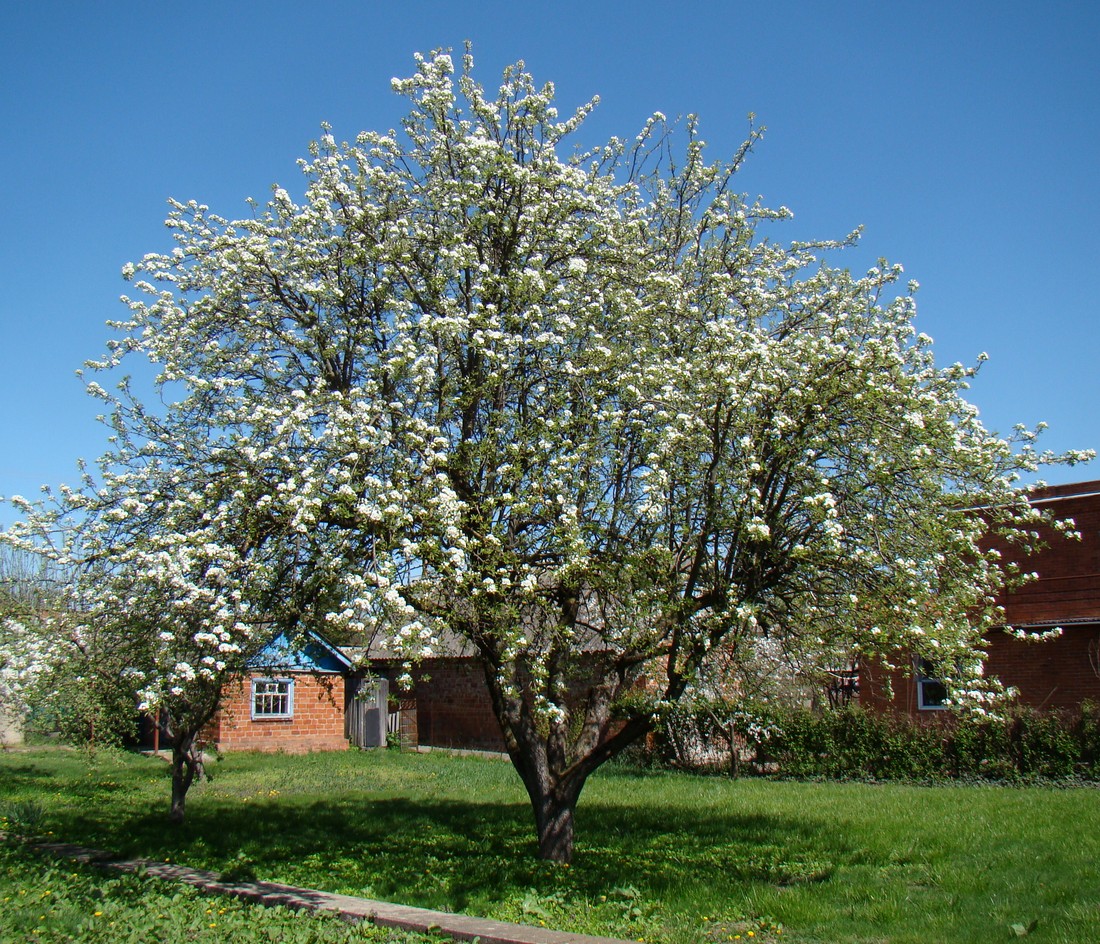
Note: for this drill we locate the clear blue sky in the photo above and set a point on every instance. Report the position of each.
(964, 136)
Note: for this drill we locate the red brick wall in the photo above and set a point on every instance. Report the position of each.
(882, 689)
(1068, 587)
(453, 708)
(1054, 674)
(452, 704)
(1058, 673)
(317, 725)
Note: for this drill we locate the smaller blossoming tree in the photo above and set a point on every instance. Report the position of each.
(159, 614)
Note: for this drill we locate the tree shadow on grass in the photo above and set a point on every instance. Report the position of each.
(465, 855)
(15, 777)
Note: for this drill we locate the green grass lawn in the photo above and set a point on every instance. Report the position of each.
(660, 856)
(50, 902)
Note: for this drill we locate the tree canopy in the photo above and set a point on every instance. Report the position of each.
(574, 407)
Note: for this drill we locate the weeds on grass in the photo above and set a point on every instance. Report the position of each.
(22, 817)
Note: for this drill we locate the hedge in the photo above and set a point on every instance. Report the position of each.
(851, 743)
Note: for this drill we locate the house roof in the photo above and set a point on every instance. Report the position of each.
(1051, 623)
(305, 652)
(448, 646)
(1053, 493)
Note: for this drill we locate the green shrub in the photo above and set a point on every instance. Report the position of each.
(853, 744)
(1086, 733)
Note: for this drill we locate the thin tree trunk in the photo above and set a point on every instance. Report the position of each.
(186, 764)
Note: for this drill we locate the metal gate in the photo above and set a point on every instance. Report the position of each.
(367, 713)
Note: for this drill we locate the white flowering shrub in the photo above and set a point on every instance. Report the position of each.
(21, 660)
(574, 407)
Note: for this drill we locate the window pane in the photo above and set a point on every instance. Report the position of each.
(271, 697)
(932, 693)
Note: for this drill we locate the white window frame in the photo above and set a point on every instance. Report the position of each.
(272, 693)
(924, 670)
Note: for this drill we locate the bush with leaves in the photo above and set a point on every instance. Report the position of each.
(851, 743)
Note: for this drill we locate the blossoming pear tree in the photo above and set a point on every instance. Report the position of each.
(575, 408)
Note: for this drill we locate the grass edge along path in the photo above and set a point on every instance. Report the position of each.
(381, 913)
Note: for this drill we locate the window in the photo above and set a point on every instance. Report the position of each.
(843, 686)
(272, 698)
(931, 692)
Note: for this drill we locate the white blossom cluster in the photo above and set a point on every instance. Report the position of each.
(22, 658)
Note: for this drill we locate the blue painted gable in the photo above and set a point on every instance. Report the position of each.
(306, 653)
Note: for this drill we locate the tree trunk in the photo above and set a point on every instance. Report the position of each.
(553, 762)
(186, 764)
(555, 788)
(554, 822)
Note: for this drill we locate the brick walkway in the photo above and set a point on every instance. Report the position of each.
(384, 914)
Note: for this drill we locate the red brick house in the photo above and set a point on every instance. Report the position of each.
(1059, 673)
(292, 699)
(310, 695)
(448, 704)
